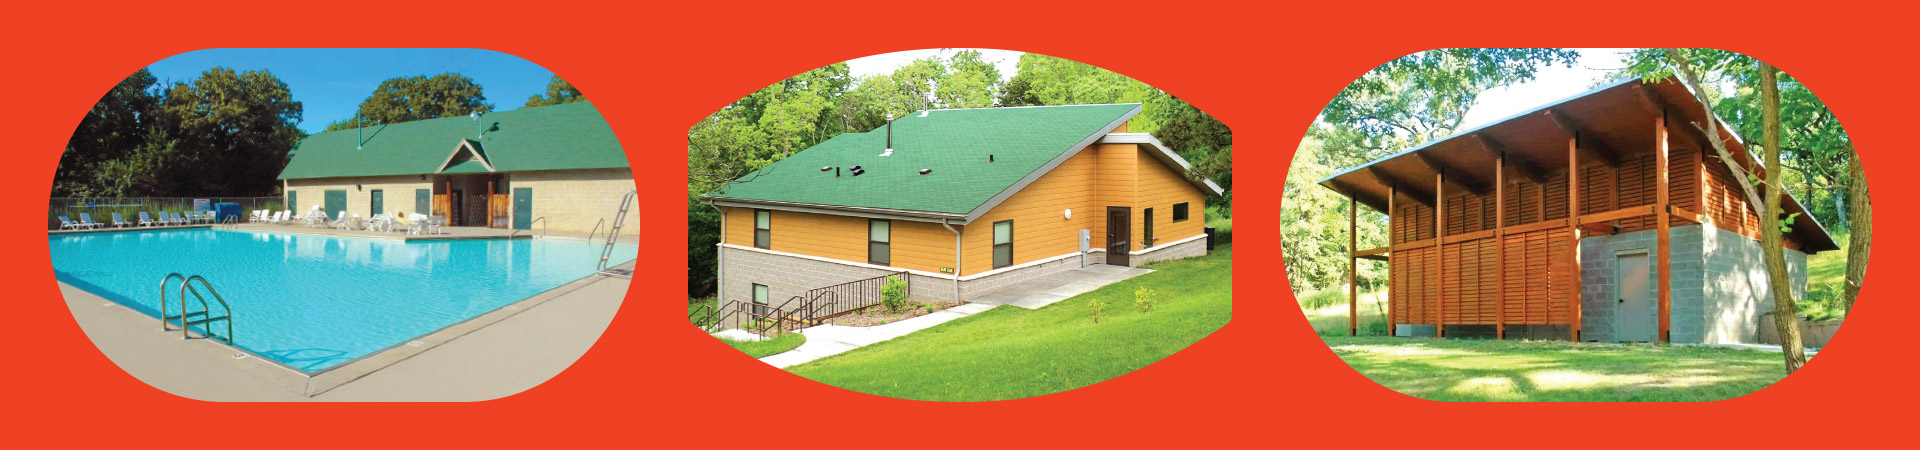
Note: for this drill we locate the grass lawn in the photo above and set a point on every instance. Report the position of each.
(1475, 370)
(1009, 352)
(761, 349)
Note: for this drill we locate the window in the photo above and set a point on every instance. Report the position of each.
(879, 236)
(763, 228)
(1180, 212)
(760, 299)
(1146, 239)
(1002, 244)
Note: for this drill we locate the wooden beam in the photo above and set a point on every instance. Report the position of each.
(1373, 257)
(1685, 215)
(1622, 213)
(1456, 178)
(1373, 252)
(1353, 267)
(1499, 246)
(1663, 250)
(1418, 195)
(1536, 226)
(1515, 163)
(1647, 99)
(1594, 149)
(1463, 237)
(1350, 191)
(1573, 222)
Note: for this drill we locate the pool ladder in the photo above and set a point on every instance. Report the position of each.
(613, 232)
(203, 317)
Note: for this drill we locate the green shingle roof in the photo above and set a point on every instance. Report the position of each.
(570, 136)
(954, 144)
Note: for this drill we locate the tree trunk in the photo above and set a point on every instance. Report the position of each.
(1786, 318)
(1840, 206)
(1861, 234)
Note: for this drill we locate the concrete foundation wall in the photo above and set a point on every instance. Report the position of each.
(1189, 249)
(1719, 289)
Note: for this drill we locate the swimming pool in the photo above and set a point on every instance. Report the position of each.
(312, 302)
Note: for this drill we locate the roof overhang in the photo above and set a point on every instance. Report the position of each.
(1610, 122)
(871, 213)
(1166, 156)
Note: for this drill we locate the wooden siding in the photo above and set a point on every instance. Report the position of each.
(915, 245)
(1160, 188)
(1538, 278)
(1040, 226)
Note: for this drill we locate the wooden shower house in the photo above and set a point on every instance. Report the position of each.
(1505, 254)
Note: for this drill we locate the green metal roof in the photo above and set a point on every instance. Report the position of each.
(954, 144)
(468, 166)
(569, 136)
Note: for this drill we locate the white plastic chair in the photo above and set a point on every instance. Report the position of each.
(146, 220)
(66, 224)
(86, 220)
(120, 221)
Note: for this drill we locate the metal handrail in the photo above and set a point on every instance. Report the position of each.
(206, 311)
(596, 229)
(543, 227)
(613, 232)
(701, 311)
(186, 287)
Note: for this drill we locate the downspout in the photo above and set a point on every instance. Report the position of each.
(719, 261)
(956, 260)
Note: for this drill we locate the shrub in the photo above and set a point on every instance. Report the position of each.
(1323, 298)
(1097, 307)
(894, 294)
(1143, 299)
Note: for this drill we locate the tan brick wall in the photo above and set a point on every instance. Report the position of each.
(397, 192)
(573, 200)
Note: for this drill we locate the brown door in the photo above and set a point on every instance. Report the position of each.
(1119, 234)
(459, 197)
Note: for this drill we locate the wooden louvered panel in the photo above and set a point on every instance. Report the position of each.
(1556, 196)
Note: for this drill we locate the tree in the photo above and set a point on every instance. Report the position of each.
(115, 125)
(419, 97)
(559, 92)
(233, 131)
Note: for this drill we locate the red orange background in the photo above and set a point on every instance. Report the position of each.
(1264, 380)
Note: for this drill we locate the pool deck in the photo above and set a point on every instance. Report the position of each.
(517, 347)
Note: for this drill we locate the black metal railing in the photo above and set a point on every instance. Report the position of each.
(849, 297)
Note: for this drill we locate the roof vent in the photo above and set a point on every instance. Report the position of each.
(989, 158)
(923, 112)
(827, 168)
(925, 171)
(889, 137)
(854, 168)
(857, 171)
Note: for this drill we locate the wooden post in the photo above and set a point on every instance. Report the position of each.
(1440, 253)
(1500, 247)
(1393, 190)
(1573, 223)
(1353, 267)
(1663, 213)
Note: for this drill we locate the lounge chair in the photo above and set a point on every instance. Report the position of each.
(66, 224)
(86, 220)
(146, 220)
(258, 215)
(180, 220)
(120, 221)
(338, 222)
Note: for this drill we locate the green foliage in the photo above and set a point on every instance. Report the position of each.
(225, 133)
(559, 92)
(894, 294)
(419, 97)
(1144, 298)
(1097, 308)
(1323, 298)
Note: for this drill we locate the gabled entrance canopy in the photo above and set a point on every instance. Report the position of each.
(468, 157)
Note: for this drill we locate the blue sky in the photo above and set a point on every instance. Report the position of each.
(330, 83)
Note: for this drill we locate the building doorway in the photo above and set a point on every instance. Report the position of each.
(1119, 235)
(1636, 322)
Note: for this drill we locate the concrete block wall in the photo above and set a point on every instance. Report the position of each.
(1737, 293)
(988, 284)
(574, 200)
(1719, 290)
(787, 276)
(397, 192)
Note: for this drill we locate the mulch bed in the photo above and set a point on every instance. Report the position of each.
(878, 315)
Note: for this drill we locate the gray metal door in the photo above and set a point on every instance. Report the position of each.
(1635, 300)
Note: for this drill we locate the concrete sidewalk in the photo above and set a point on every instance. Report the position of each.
(829, 340)
(1051, 289)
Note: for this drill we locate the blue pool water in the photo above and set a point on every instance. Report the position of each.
(312, 301)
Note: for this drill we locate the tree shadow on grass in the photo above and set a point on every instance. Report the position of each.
(1468, 370)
